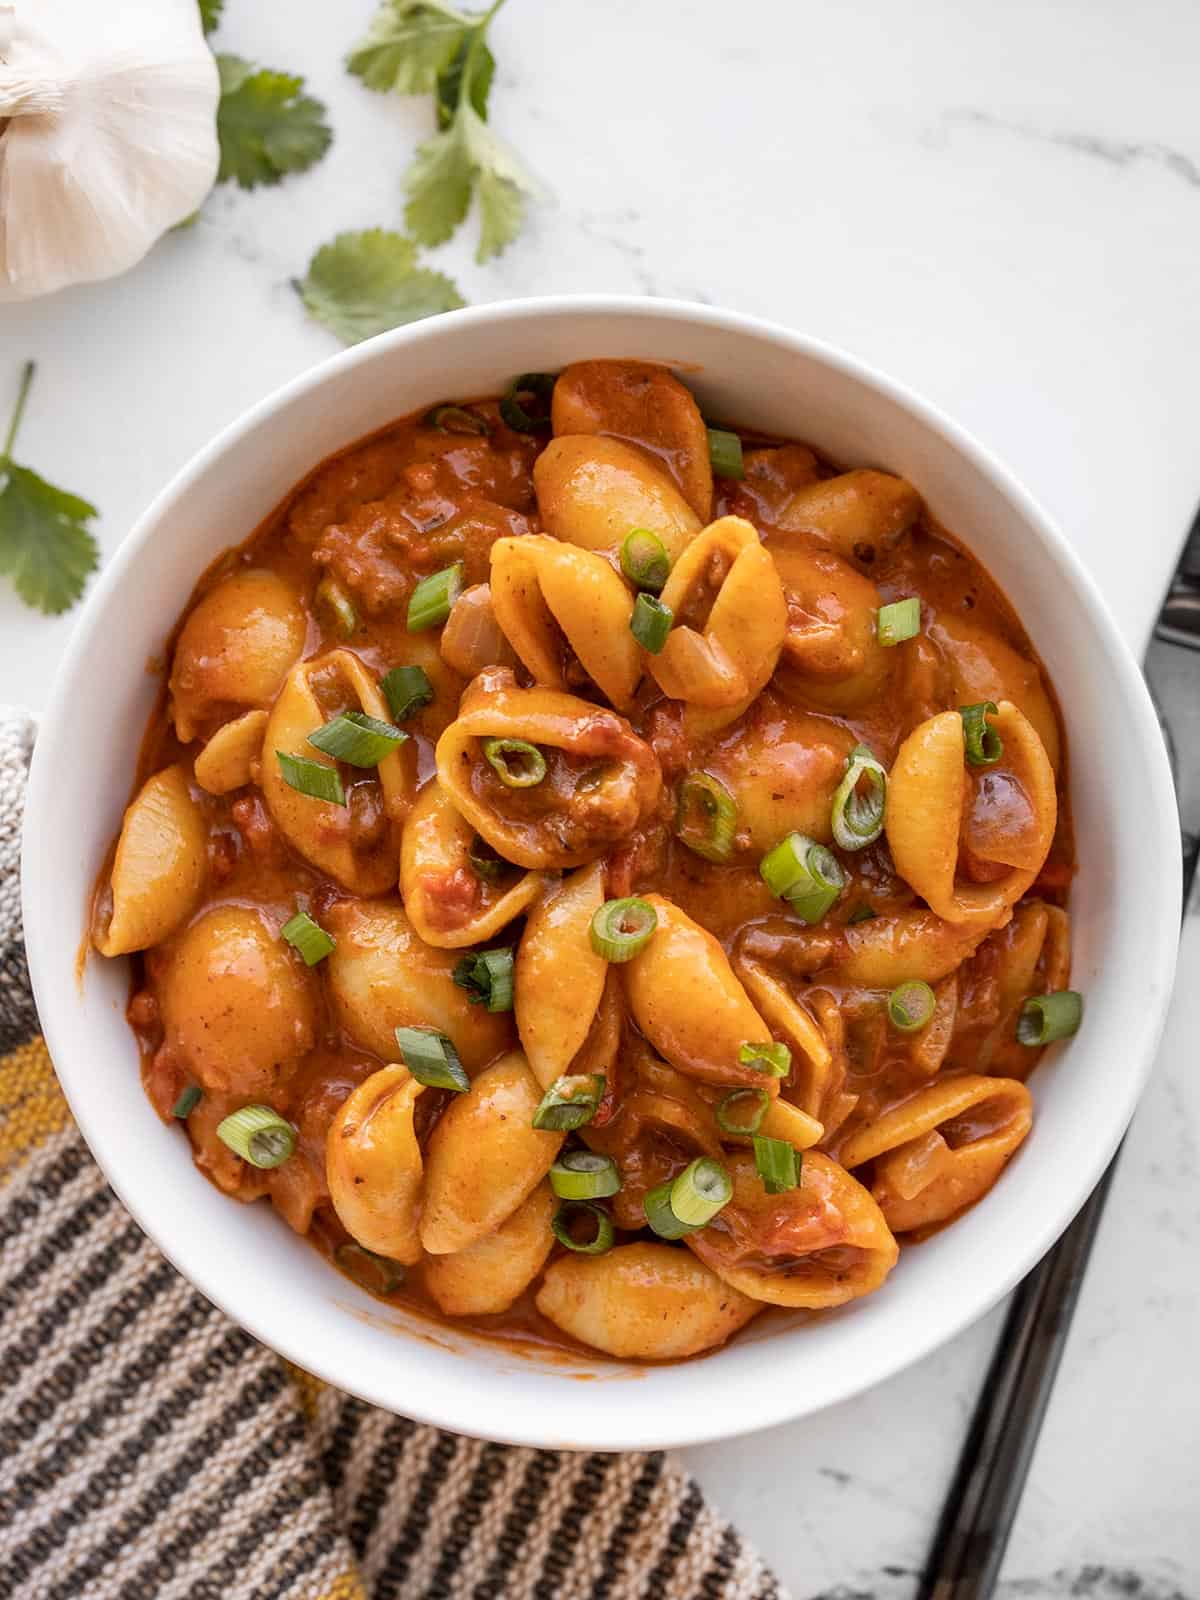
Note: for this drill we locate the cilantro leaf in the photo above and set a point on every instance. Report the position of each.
(364, 283)
(266, 126)
(447, 168)
(408, 45)
(46, 547)
(210, 13)
(449, 82)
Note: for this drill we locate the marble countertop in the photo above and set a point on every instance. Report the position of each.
(1001, 206)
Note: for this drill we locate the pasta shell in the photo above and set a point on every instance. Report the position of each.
(158, 870)
(320, 831)
(484, 1157)
(228, 759)
(943, 1148)
(727, 658)
(374, 1167)
(447, 902)
(859, 514)
(925, 816)
(559, 978)
(686, 1000)
(234, 650)
(783, 768)
(638, 400)
(601, 779)
(789, 1020)
(876, 954)
(642, 1302)
(543, 592)
(592, 491)
(980, 666)
(237, 1005)
(490, 1274)
(382, 976)
(818, 1245)
(832, 658)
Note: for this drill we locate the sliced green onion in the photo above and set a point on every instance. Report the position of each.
(517, 763)
(657, 1205)
(911, 1005)
(982, 743)
(259, 1135)
(188, 1100)
(331, 593)
(488, 978)
(778, 1164)
(651, 622)
(858, 818)
(771, 1058)
(355, 737)
(899, 621)
(584, 1175)
(701, 1190)
(484, 862)
(706, 816)
(430, 603)
(860, 914)
(532, 414)
(308, 938)
(375, 1274)
(805, 874)
(725, 453)
(570, 1101)
(571, 1211)
(312, 778)
(457, 419)
(761, 1101)
(406, 690)
(1047, 1017)
(644, 559)
(432, 1059)
(623, 927)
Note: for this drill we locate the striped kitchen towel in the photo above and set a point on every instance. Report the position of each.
(151, 1450)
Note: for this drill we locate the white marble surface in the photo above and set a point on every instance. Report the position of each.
(1001, 205)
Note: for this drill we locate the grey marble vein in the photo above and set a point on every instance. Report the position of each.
(1117, 152)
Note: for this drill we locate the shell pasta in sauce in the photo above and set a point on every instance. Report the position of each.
(599, 874)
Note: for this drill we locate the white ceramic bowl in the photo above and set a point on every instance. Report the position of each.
(1125, 903)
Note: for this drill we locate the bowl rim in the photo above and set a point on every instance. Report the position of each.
(647, 1431)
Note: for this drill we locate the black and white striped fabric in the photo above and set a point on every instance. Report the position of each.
(151, 1450)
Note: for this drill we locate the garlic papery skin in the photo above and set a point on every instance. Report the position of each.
(111, 135)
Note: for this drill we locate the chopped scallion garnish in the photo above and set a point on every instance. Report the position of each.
(620, 928)
(432, 1059)
(983, 745)
(331, 593)
(312, 778)
(358, 739)
(805, 874)
(728, 1123)
(259, 1135)
(431, 600)
(457, 419)
(857, 818)
(377, 1274)
(651, 622)
(517, 763)
(899, 621)
(911, 1005)
(308, 938)
(484, 862)
(706, 816)
(1047, 1017)
(572, 1212)
(188, 1100)
(570, 1101)
(406, 690)
(725, 453)
(644, 560)
(526, 406)
(584, 1175)
(689, 1201)
(778, 1164)
(770, 1057)
(488, 978)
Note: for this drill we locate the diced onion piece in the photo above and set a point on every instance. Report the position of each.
(620, 928)
(432, 1059)
(259, 1135)
(570, 1101)
(1047, 1017)
(431, 600)
(857, 819)
(899, 621)
(573, 1210)
(584, 1175)
(358, 739)
(308, 938)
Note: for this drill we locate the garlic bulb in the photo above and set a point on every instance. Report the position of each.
(110, 139)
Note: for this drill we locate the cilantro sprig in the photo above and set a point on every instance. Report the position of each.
(266, 125)
(364, 283)
(210, 13)
(425, 46)
(46, 547)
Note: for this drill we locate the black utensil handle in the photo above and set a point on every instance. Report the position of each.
(981, 1505)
